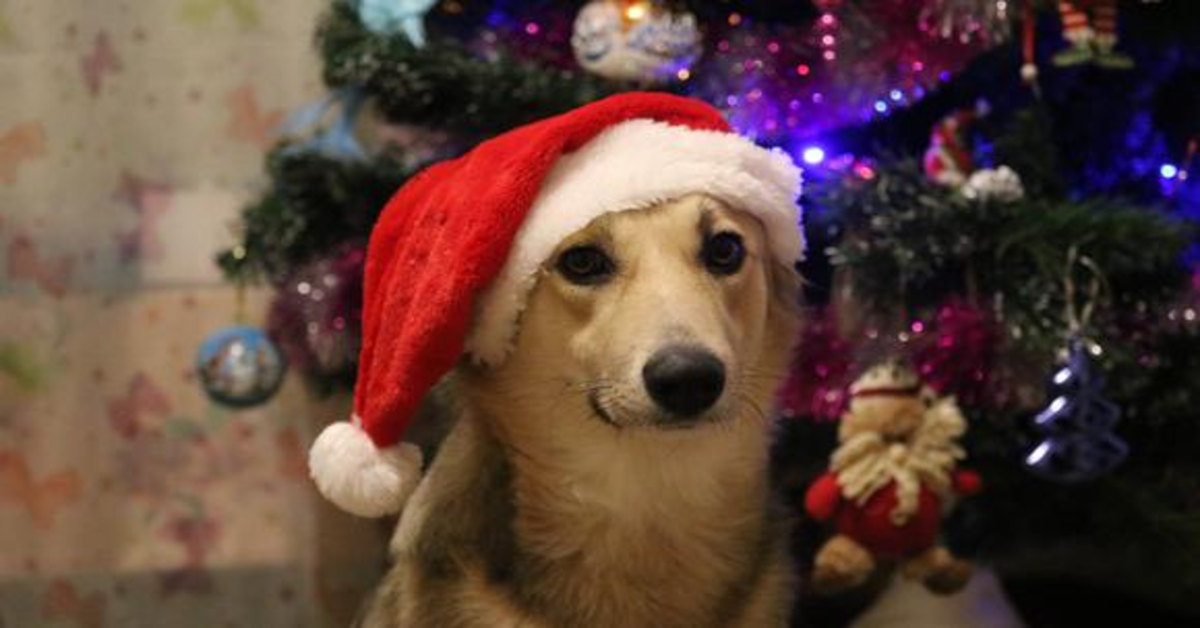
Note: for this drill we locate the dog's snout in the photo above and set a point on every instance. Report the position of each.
(684, 380)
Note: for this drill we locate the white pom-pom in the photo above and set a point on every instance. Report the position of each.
(359, 477)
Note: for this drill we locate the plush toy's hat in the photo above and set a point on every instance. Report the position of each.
(890, 379)
(456, 251)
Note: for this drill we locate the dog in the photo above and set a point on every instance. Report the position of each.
(613, 471)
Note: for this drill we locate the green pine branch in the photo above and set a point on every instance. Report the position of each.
(315, 204)
(444, 84)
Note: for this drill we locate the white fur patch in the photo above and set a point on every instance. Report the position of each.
(634, 165)
(359, 477)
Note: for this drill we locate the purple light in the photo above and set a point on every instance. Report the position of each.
(881, 106)
(532, 28)
(1168, 171)
(896, 95)
(813, 155)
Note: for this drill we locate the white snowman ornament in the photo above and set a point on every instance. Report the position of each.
(635, 41)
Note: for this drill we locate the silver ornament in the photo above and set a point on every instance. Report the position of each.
(1078, 444)
(635, 41)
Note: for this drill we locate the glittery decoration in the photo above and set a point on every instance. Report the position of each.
(316, 314)
(856, 62)
(816, 385)
(988, 21)
(954, 353)
(955, 357)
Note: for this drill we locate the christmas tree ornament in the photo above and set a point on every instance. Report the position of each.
(997, 185)
(387, 17)
(1029, 69)
(1090, 28)
(1077, 425)
(240, 367)
(456, 251)
(948, 159)
(327, 127)
(987, 21)
(896, 464)
(315, 316)
(636, 41)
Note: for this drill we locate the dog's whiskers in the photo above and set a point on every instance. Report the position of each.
(754, 406)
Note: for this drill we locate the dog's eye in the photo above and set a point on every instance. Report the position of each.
(585, 265)
(724, 253)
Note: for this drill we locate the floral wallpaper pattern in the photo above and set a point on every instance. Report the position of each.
(130, 133)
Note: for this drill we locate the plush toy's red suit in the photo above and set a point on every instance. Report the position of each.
(871, 524)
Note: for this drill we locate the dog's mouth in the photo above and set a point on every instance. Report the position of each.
(599, 410)
(660, 422)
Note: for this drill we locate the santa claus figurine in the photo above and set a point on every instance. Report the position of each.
(948, 159)
(890, 478)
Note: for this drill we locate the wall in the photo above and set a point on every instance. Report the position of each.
(130, 133)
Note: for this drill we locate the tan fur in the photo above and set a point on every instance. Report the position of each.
(539, 513)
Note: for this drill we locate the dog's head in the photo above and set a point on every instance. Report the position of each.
(671, 317)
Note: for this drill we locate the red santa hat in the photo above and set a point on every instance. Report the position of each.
(456, 252)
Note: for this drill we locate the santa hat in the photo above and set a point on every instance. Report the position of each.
(457, 249)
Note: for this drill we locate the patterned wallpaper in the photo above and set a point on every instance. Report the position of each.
(130, 133)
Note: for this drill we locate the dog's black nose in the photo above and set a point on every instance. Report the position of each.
(684, 380)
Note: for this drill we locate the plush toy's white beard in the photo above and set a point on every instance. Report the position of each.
(865, 463)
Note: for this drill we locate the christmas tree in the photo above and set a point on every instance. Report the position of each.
(997, 192)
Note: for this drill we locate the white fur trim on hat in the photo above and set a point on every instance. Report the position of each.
(359, 477)
(634, 165)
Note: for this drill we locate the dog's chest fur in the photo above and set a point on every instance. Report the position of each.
(627, 531)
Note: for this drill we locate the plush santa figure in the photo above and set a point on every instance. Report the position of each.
(458, 249)
(889, 480)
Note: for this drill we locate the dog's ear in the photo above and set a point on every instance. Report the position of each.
(783, 314)
(784, 283)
